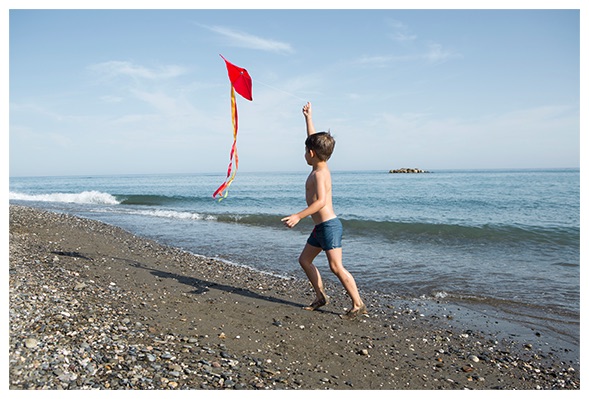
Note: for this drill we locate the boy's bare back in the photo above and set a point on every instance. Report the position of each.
(318, 186)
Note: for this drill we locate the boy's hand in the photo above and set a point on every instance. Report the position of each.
(307, 110)
(290, 221)
(308, 119)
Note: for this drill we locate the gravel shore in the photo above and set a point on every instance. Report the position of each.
(95, 307)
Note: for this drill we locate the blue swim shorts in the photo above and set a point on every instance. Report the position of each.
(327, 235)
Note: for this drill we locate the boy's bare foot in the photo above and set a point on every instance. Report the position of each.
(317, 303)
(353, 313)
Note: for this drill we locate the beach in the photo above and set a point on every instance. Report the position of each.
(93, 306)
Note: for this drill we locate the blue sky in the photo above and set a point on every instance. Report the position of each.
(145, 91)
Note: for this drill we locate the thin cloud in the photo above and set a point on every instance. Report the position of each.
(125, 68)
(111, 99)
(383, 61)
(165, 104)
(243, 39)
(433, 52)
(401, 32)
(436, 53)
(402, 37)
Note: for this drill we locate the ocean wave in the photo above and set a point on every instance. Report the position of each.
(161, 213)
(455, 232)
(158, 200)
(251, 219)
(84, 197)
(401, 231)
(197, 208)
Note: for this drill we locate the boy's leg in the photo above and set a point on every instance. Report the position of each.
(306, 261)
(334, 256)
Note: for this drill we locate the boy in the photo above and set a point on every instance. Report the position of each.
(327, 234)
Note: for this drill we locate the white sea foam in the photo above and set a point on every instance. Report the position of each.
(175, 215)
(440, 295)
(85, 197)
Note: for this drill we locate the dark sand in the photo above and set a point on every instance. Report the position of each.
(92, 306)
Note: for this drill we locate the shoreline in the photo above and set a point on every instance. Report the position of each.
(93, 306)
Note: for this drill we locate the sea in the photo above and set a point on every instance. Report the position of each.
(502, 243)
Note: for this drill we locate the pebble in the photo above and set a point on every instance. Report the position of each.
(79, 286)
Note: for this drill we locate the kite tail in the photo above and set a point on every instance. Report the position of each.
(233, 157)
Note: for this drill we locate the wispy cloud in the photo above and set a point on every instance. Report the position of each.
(402, 37)
(401, 32)
(436, 53)
(383, 61)
(111, 99)
(433, 53)
(155, 100)
(125, 68)
(243, 39)
(165, 104)
(410, 50)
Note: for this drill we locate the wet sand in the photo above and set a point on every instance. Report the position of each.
(95, 307)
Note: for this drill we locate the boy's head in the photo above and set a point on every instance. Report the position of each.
(321, 144)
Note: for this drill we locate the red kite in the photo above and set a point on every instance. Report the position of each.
(241, 82)
(240, 79)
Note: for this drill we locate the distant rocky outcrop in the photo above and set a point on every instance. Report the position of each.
(408, 170)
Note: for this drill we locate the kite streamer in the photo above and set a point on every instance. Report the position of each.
(241, 82)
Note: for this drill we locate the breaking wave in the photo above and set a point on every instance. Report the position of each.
(85, 197)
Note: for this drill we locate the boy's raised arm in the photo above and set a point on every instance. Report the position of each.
(308, 119)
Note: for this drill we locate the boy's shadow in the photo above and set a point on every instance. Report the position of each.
(202, 286)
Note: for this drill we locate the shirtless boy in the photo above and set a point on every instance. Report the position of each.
(327, 234)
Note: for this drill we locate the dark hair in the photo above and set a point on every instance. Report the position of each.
(322, 144)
